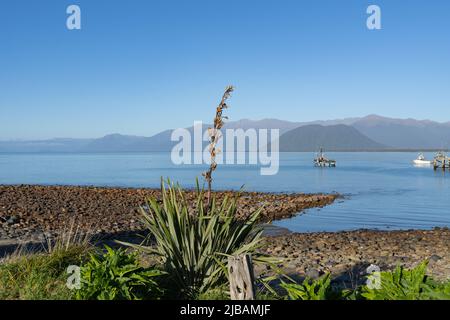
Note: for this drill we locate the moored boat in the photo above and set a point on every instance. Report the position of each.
(322, 161)
(421, 160)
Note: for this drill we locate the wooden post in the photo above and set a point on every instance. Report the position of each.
(242, 280)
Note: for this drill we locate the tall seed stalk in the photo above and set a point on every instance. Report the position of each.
(214, 136)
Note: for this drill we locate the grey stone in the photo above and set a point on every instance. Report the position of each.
(12, 220)
(435, 258)
(312, 273)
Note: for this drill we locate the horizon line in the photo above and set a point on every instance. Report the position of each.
(372, 115)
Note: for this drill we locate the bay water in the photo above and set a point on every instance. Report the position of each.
(380, 190)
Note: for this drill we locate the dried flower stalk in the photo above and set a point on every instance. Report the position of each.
(214, 136)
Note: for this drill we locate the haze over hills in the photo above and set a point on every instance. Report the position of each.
(372, 132)
(51, 145)
(405, 133)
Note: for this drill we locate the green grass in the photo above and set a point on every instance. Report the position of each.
(39, 276)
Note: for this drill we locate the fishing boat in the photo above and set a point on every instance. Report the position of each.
(421, 161)
(322, 161)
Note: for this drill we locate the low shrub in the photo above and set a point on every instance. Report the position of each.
(403, 284)
(117, 275)
(319, 289)
(400, 284)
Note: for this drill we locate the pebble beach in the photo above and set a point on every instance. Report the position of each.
(29, 212)
(33, 213)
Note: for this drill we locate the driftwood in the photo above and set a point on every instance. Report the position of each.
(242, 279)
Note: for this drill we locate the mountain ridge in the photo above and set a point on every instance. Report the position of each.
(390, 133)
(338, 137)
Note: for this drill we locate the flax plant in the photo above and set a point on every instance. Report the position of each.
(214, 137)
(194, 244)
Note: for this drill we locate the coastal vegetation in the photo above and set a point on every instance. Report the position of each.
(40, 275)
(117, 275)
(402, 284)
(399, 284)
(121, 274)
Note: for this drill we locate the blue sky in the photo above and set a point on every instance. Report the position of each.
(140, 66)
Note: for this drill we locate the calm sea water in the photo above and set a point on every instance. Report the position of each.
(382, 190)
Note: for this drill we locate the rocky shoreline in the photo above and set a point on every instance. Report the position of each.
(348, 254)
(33, 212)
(30, 214)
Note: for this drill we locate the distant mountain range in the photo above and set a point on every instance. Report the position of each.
(405, 133)
(332, 138)
(352, 134)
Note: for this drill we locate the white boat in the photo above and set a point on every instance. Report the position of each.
(322, 161)
(421, 161)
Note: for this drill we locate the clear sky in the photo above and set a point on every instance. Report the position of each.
(141, 66)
